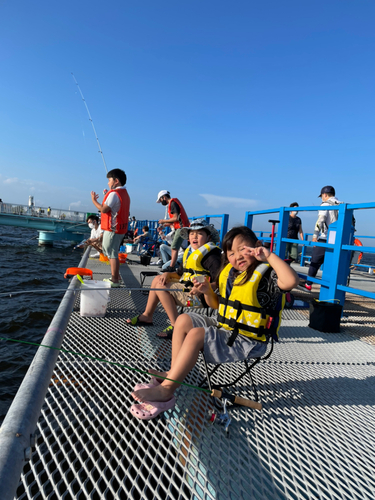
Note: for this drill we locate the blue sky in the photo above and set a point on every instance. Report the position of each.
(231, 106)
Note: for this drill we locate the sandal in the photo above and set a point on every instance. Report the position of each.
(137, 322)
(168, 332)
(153, 383)
(151, 409)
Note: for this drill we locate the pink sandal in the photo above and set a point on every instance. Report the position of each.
(151, 409)
(153, 383)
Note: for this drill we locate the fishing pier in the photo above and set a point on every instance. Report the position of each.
(313, 438)
(53, 224)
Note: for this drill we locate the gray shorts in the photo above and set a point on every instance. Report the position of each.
(177, 240)
(216, 349)
(111, 244)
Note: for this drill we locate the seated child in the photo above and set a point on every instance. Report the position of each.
(202, 257)
(250, 275)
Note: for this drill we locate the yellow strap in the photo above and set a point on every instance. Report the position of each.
(80, 279)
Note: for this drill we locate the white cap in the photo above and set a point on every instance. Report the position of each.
(162, 193)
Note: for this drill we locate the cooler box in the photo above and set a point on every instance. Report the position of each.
(130, 248)
(94, 299)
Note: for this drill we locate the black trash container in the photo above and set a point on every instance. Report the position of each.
(325, 316)
(145, 259)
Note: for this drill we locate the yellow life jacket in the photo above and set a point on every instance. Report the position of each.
(241, 312)
(192, 264)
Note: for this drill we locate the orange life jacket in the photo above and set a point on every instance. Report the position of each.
(184, 221)
(122, 217)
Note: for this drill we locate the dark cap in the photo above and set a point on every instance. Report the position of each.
(327, 190)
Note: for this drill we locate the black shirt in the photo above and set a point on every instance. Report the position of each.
(175, 209)
(294, 227)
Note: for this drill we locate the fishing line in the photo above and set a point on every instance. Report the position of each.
(92, 123)
(91, 290)
(101, 360)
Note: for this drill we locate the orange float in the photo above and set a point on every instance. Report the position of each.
(81, 271)
(358, 243)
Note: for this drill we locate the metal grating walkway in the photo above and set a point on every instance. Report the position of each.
(314, 438)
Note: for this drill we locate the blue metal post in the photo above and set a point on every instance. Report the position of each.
(224, 227)
(337, 261)
(282, 233)
(305, 238)
(249, 220)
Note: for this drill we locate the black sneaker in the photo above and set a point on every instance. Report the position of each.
(169, 269)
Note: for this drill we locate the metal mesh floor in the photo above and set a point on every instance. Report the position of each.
(314, 438)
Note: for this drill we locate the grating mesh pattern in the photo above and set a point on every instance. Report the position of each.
(314, 438)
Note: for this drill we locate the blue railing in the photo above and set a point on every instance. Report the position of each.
(153, 225)
(339, 247)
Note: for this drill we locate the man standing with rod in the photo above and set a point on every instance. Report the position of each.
(114, 220)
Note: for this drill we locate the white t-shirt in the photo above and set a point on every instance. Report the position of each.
(95, 233)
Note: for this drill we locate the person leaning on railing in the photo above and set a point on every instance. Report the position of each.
(325, 219)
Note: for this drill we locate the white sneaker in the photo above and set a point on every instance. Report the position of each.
(157, 263)
(94, 255)
(113, 284)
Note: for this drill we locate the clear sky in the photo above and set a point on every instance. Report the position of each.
(231, 106)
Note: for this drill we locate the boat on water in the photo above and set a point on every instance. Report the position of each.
(312, 438)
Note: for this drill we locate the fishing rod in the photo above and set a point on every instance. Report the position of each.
(217, 392)
(103, 360)
(92, 123)
(58, 290)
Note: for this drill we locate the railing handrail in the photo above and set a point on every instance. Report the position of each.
(337, 257)
(153, 224)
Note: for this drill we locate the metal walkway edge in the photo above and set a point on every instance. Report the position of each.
(314, 438)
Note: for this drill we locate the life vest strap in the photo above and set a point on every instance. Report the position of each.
(188, 285)
(233, 324)
(244, 307)
(194, 271)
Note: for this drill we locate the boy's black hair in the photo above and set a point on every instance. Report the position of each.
(146, 228)
(294, 204)
(119, 174)
(93, 217)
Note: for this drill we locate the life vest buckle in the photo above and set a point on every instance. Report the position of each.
(269, 323)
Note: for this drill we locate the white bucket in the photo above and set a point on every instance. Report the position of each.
(370, 270)
(129, 248)
(94, 302)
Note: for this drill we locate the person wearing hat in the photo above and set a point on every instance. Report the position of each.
(325, 219)
(201, 258)
(177, 220)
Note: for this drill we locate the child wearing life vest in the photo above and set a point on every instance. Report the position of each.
(251, 284)
(201, 258)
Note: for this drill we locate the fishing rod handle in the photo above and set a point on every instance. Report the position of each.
(238, 400)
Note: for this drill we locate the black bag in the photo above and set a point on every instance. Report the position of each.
(325, 316)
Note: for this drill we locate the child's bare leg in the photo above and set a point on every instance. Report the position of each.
(184, 362)
(182, 327)
(152, 302)
(169, 306)
(115, 269)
